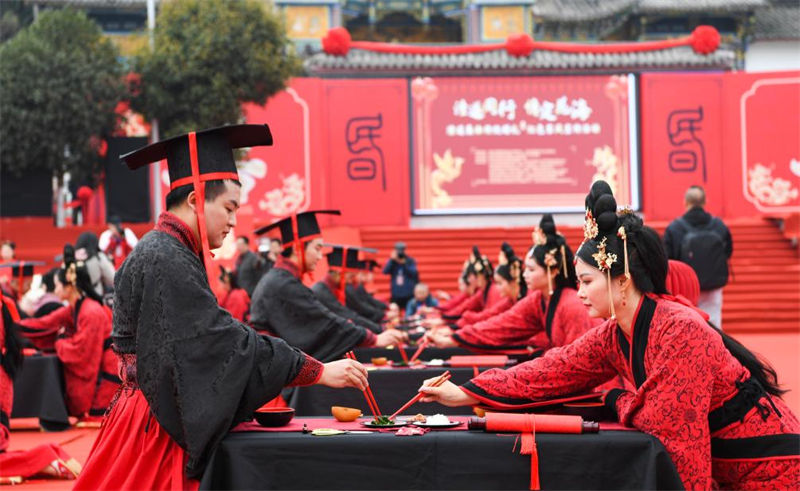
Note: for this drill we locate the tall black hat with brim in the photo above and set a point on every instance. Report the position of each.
(201, 156)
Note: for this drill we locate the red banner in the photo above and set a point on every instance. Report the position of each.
(285, 178)
(762, 114)
(681, 141)
(367, 150)
(735, 134)
(512, 145)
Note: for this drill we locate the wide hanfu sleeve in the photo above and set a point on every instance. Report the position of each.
(472, 303)
(42, 331)
(283, 305)
(573, 369)
(487, 313)
(201, 371)
(511, 329)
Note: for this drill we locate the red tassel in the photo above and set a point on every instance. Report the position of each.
(535, 485)
(528, 447)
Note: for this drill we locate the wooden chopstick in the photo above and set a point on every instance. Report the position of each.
(368, 393)
(403, 353)
(422, 346)
(436, 383)
(369, 403)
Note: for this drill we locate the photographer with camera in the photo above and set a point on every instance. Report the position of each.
(403, 269)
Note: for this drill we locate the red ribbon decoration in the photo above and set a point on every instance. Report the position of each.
(200, 201)
(211, 176)
(703, 40)
(342, 292)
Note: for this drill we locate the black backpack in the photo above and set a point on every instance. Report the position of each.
(703, 249)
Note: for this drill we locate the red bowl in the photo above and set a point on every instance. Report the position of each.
(274, 416)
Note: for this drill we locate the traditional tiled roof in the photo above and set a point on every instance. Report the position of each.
(360, 62)
(778, 22)
(658, 6)
(580, 10)
(96, 3)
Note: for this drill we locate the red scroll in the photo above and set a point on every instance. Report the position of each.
(528, 425)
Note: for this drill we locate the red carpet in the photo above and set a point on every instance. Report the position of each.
(76, 442)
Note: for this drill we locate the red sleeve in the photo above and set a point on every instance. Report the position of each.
(309, 374)
(84, 348)
(487, 313)
(475, 302)
(578, 367)
(514, 327)
(53, 321)
(673, 402)
(454, 301)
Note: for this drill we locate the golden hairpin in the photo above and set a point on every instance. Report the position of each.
(624, 236)
(564, 260)
(550, 261)
(604, 259)
(590, 230)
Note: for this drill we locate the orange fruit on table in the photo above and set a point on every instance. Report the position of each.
(379, 361)
(345, 414)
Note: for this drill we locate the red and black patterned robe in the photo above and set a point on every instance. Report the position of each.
(481, 299)
(90, 365)
(532, 324)
(716, 422)
(498, 308)
(453, 302)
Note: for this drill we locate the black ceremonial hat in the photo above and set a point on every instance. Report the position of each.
(214, 152)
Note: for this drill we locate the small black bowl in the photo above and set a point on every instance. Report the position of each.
(274, 416)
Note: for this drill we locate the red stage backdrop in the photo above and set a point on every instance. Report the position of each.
(521, 145)
(735, 134)
(764, 166)
(367, 150)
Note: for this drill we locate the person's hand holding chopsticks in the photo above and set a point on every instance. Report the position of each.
(344, 373)
(390, 337)
(447, 393)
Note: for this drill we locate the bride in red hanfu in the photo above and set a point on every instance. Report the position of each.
(712, 403)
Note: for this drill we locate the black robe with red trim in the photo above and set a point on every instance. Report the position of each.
(691, 393)
(322, 290)
(370, 298)
(359, 301)
(283, 306)
(201, 371)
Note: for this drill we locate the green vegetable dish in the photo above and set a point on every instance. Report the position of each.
(382, 421)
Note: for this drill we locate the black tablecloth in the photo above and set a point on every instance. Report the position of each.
(39, 392)
(438, 460)
(364, 355)
(391, 388)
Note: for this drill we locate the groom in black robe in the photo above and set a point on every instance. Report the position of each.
(283, 306)
(201, 371)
